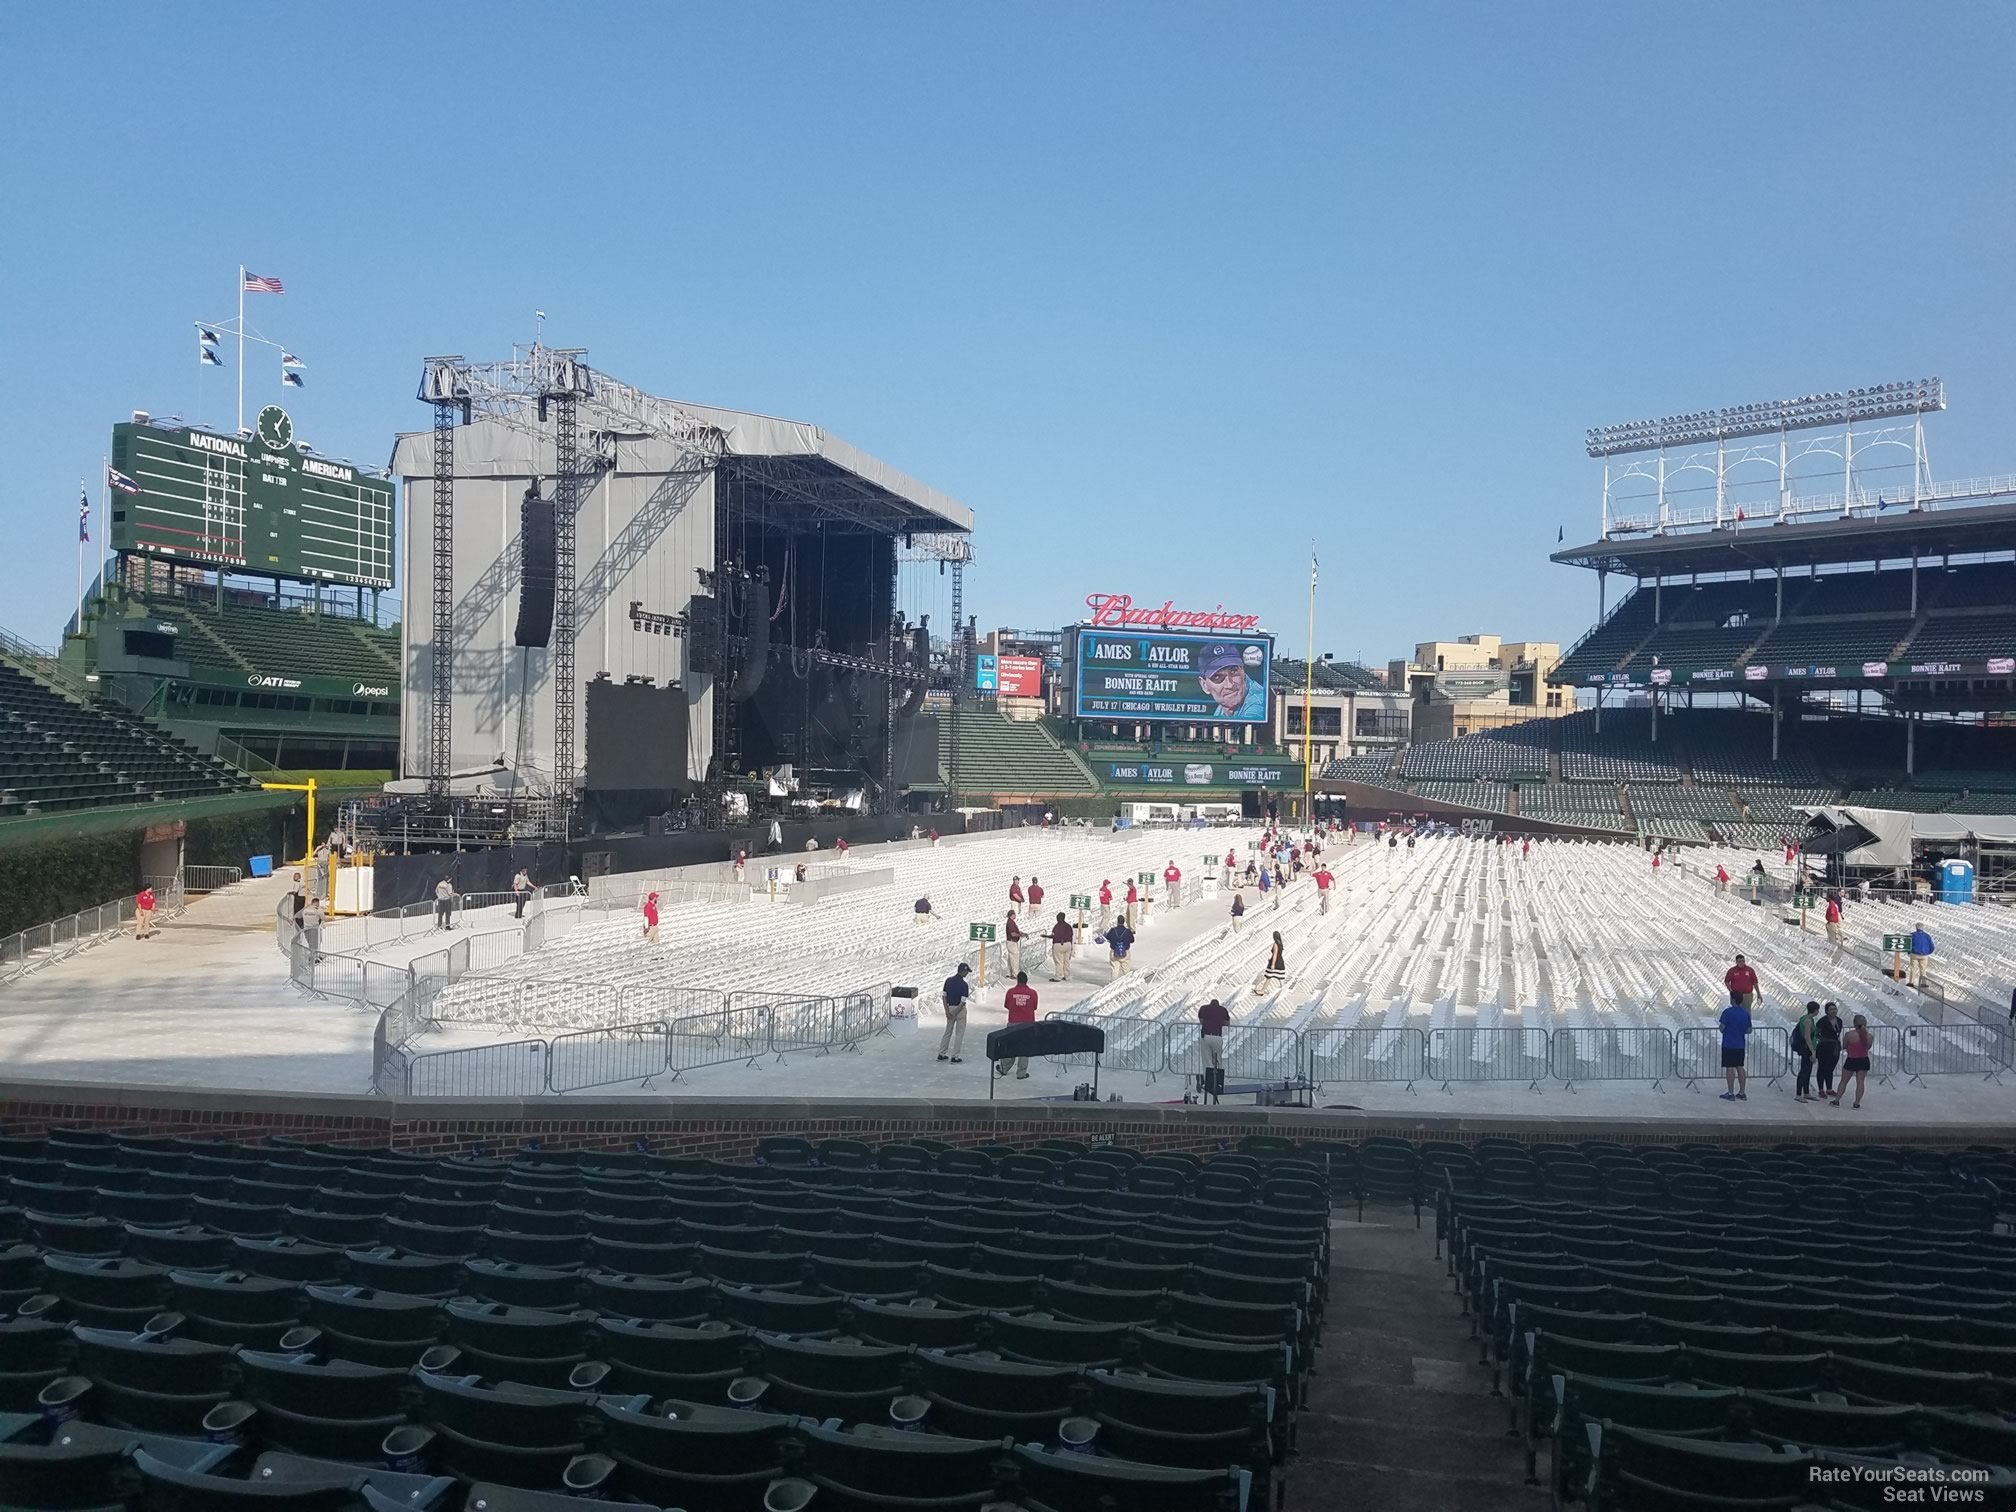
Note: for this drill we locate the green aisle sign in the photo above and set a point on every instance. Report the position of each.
(1146, 878)
(982, 932)
(1081, 900)
(1895, 943)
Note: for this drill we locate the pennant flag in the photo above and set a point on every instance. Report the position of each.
(289, 360)
(83, 514)
(205, 335)
(120, 481)
(208, 357)
(1560, 534)
(291, 380)
(258, 283)
(1312, 569)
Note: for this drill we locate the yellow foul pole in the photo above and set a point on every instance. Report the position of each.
(1308, 678)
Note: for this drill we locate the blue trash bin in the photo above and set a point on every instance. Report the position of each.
(1956, 881)
(262, 866)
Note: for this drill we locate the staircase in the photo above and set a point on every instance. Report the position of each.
(1400, 1416)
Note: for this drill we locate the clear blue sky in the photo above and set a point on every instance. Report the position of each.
(1160, 290)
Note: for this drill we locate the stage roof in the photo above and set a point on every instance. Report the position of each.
(795, 459)
(1884, 837)
(1768, 545)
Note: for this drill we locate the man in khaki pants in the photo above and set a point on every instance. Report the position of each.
(1062, 939)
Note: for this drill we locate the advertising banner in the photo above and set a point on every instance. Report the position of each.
(1020, 676)
(1217, 679)
(1211, 771)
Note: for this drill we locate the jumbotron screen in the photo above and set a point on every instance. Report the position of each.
(257, 503)
(1192, 679)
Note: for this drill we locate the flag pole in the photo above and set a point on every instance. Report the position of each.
(241, 349)
(104, 520)
(80, 563)
(1308, 678)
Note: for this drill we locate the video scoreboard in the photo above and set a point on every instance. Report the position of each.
(257, 503)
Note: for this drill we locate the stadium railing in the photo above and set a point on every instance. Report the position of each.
(1611, 1054)
(30, 950)
(1488, 1055)
(197, 879)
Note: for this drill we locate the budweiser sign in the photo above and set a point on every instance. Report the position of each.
(1119, 611)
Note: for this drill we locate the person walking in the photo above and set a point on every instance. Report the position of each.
(1827, 1047)
(1856, 1046)
(1011, 936)
(955, 992)
(1172, 882)
(1266, 882)
(1324, 881)
(444, 904)
(1275, 972)
(521, 889)
(1105, 901)
(1015, 897)
(1921, 952)
(1834, 921)
(1735, 1032)
(1239, 918)
(1721, 878)
(1020, 1001)
(1741, 980)
(1035, 897)
(1119, 941)
(1805, 1047)
(1231, 864)
(1062, 941)
(311, 928)
(741, 862)
(1211, 1021)
(143, 913)
(651, 917)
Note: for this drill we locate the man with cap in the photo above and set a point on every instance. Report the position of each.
(1105, 900)
(1172, 882)
(651, 917)
(1020, 1001)
(1221, 672)
(1062, 940)
(956, 990)
(1211, 1021)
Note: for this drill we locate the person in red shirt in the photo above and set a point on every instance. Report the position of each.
(1035, 897)
(840, 845)
(1231, 865)
(143, 914)
(1133, 903)
(1105, 901)
(1721, 878)
(741, 863)
(934, 839)
(1525, 848)
(1015, 891)
(651, 917)
(1211, 1021)
(1741, 980)
(1834, 919)
(1323, 882)
(1172, 878)
(1020, 1001)
(1011, 936)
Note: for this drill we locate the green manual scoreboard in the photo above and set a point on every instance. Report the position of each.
(257, 503)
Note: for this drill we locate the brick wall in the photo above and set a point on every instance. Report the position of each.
(730, 1129)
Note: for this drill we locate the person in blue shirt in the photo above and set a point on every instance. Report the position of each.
(956, 990)
(1119, 940)
(1921, 952)
(1735, 1032)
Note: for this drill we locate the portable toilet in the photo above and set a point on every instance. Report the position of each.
(1956, 881)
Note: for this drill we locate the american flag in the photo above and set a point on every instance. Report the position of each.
(259, 283)
(83, 515)
(120, 481)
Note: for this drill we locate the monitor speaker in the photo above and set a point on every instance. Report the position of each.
(535, 580)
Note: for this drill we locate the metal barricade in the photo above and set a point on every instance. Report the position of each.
(1132, 1044)
(1697, 1054)
(717, 1038)
(798, 1020)
(515, 1068)
(1923, 1050)
(493, 947)
(1601, 1053)
(1398, 1054)
(559, 1007)
(1487, 1055)
(210, 878)
(862, 1014)
(605, 1057)
(1252, 1052)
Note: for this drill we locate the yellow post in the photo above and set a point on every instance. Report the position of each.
(1308, 678)
(307, 787)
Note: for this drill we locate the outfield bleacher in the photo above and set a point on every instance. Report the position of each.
(57, 753)
(998, 754)
(258, 640)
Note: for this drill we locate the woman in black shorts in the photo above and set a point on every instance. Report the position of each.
(1857, 1043)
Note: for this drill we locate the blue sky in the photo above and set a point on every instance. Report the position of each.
(1161, 291)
